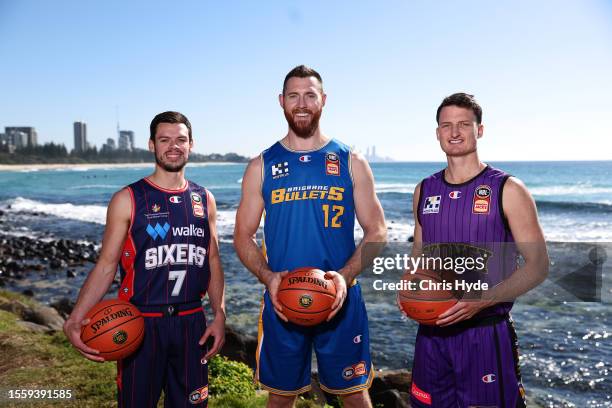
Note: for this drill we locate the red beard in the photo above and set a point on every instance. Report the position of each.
(303, 128)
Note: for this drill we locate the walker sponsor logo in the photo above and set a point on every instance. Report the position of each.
(199, 395)
(356, 370)
(158, 230)
(489, 378)
(190, 231)
(421, 395)
(109, 317)
(175, 254)
(175, 199)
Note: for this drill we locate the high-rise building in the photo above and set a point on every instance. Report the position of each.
(15, 135)
(126, 140)
(80, 136)
(110, 142)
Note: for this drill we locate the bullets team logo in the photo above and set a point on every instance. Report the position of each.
(332, 164)
(196, 205)
(120, 337)
(482, 200)
(199, 395)
(305, 300)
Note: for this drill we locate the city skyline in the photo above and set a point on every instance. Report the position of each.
(541, 77)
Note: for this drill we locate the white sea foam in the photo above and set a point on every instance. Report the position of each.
(395, 187)
(96, 186)
(576, 189)
(85, 213)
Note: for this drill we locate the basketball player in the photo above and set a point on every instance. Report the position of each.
(162, 231)
(310, 187)
(470, 358)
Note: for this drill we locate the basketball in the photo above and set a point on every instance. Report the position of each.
(116, 329)
(428, 297)
(306, 296)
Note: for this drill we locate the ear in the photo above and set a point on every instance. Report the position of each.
(480, 131)
(281, 100)
(323, 99)
(437, 134)
(190, 145)
(151, 146)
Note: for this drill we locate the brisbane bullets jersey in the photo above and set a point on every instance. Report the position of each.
(467, 220)
(165, 255)
(309, 209)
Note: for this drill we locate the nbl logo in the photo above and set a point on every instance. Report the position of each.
(305, 300)
(120, 337)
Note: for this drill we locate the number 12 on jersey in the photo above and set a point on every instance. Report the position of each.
(336, 212)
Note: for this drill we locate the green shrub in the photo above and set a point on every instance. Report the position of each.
(230, 377)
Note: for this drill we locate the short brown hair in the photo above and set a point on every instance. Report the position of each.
(169, 117)
(462, 100)
(302, 71)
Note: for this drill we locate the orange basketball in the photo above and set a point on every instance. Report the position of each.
(306, 296)
(116, 329)
(428, 298)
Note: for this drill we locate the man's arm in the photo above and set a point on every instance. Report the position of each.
(216, 286)
(248, 218)
(520, 210)
(417, 236)
(370, 216)
(118, 217)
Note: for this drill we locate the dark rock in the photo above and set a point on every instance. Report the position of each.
(38, 328)
(411, 239)
(64, 307)
(28, 292)
(389, 399)
(70, 273)
(239, 347)
(47, 316)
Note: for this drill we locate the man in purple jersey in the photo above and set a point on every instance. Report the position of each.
(470, 358)
(162, 231)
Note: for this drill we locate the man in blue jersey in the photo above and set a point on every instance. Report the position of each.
(470, 358)
(311, 188)
(161, 230)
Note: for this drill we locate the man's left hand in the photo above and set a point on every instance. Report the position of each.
(217, 331)
(341, 291)
(462, 310)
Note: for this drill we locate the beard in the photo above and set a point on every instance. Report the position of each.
(170, 167)
(303, 128)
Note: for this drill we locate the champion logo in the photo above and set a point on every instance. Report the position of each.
(489, 378)
(454, 194)
(305, 158)
(175, 199)
(158, 230)
(357, 339)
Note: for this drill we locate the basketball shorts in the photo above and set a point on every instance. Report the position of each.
(342, 347)
(467, 367)
(169, 359)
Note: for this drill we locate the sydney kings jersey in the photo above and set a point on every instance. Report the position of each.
(467, 220)
(165, 255)
(309, 210)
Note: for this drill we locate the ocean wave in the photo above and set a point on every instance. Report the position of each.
(395, 187)
(575, 189)
(85, 213)
(593, 207)
(95, 186)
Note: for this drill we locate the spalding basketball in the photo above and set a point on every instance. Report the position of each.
(426, 297)
(306, 296)
(116, 329)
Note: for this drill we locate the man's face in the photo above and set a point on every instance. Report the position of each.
(302, 104)
(457, 131)
(171, 146)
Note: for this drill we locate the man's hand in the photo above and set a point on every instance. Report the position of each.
(272, 280)
(341, 291)
(72, 330)
(217, 331)
(462, 310)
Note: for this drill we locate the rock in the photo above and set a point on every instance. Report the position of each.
(411, 239)
(47, 316)
(64, 306)
(70, 273)
(397, 379)
(239, 347)
(389, 399)
(27, 292)
(39, 328)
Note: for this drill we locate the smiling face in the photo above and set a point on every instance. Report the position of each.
(458, 131)
(171, 146)
(302, 102)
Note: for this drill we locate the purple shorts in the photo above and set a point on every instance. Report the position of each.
(467, 366)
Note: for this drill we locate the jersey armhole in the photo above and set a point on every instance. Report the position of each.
(350, 166)
(418, 209)
(263, 172)
(132, 209)
(500, 203)
(207, 203)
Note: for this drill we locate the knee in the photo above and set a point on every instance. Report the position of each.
(280, 401)
(359, 399)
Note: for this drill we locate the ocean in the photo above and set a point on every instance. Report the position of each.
(565, 345)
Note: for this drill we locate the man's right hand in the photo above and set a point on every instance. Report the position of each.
(72, 329)
(272, 280)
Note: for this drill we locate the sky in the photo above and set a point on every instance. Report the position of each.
(540, 70)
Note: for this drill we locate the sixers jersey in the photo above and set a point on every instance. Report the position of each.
(467, 220)
(309, 211)
(165, 255)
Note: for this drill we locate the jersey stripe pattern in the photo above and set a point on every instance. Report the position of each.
(165, 255)
(309, 211)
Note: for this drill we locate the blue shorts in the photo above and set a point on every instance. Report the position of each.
(169, 358)
(342, 346)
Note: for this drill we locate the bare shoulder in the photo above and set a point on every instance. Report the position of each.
(515, 189)
(360, 167)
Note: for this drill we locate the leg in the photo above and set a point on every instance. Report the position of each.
(280, 401)
(359, 399)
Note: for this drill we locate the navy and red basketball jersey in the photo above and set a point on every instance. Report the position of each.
(165, 255)
(467, 220)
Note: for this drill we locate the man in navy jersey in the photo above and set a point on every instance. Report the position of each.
(470, 358)
(309, 188)
(161, 231)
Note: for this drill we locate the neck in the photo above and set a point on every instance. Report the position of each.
(462, 168)
(315, 141)
(168, 180)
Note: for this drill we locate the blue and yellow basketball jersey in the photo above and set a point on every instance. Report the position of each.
(309, 210)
